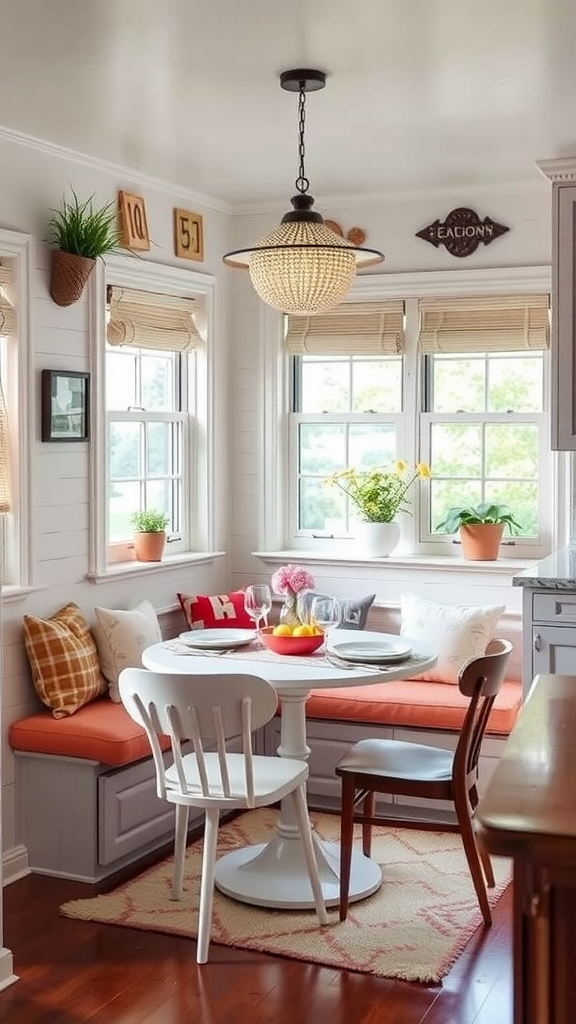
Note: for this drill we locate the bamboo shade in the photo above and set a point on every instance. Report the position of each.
(7, 311)
(498, 323)
(353, 328)
(150, 320)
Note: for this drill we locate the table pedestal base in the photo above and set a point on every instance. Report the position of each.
(274, 874)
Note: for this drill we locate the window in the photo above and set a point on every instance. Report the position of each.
(154, 435)
(474, 407)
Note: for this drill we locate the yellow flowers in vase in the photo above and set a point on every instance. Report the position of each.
(380, 493)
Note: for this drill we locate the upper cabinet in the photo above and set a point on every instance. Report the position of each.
(562, 174)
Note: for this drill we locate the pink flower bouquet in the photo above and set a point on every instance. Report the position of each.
(291, 579)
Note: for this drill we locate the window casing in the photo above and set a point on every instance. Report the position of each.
(416, 423)
(154, 429)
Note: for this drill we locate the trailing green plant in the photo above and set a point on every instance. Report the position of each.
(78, 228)
(379, 493)
(149, 521)
(487, 513)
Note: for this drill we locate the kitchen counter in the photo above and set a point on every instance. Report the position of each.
(557, 572)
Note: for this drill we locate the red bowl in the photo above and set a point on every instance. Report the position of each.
(291, 644)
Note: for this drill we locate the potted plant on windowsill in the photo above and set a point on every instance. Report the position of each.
(480, 528)
(379, 494)
(79, 234)
(149, 534)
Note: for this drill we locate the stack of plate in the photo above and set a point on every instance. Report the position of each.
(372, 651)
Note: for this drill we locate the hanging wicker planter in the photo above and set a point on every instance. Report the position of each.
(68, 276)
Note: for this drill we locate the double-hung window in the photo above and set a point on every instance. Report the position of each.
(346, 407)
(151, 346)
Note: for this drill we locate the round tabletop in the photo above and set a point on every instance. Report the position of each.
(288, 672)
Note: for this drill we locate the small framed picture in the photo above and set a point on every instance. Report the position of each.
(65, 405)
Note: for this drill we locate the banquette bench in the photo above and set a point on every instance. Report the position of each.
(87, 802)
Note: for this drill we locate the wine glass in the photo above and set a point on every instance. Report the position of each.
(257, 602)
(326, 612)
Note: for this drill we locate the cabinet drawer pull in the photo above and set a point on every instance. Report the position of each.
(537, 641)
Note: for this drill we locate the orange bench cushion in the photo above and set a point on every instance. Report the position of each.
(99, 731)
(412, 703)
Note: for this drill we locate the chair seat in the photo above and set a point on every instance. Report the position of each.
(396, 759)
(274, 777)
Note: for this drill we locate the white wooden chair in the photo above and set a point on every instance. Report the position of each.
(210, 711)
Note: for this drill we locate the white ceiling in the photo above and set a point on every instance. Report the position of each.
(421, 95)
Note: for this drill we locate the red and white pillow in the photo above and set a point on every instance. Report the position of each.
(202, 611)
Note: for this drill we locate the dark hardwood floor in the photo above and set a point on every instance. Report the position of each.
(74, 971)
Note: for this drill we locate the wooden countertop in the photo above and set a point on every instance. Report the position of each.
(529, 809)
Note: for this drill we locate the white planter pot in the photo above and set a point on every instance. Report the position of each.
(377, 539)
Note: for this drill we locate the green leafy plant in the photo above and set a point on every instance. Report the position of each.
(379, 493)
(78, 228)
(149, 521)
(487, 513)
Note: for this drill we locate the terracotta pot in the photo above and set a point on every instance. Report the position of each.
(68, 276)
(481, 541)
(149, 547)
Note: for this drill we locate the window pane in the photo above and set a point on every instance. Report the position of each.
(458, 383)
(159, 449)
(321, 508)
(124, 499)
(371, 444)
(322, 447)
(446, 494)
(516, 383)
(125, 450)
(377, 385)
(158, 382)
(512, 450)
(456, 449)
(325, 385)
(522, 499)
(120, 380)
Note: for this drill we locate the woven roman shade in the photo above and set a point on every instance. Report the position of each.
(352, 329)
(7, 311)
(151, 320)
(498, 323)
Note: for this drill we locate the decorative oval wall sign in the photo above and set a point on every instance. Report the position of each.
(462, 231)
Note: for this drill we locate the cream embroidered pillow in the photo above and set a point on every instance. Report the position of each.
(64, 660)
(121, 636)
(456, 632)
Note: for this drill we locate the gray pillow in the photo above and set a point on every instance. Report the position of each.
(354, 610)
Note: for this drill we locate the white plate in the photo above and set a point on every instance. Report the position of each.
(217, 638)
(365, 650)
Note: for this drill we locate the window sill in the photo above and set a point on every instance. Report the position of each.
(126, 570)
(501, 567)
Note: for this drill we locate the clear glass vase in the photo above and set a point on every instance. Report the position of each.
(289, 611)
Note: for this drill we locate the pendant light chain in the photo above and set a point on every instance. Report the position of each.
(302, 183)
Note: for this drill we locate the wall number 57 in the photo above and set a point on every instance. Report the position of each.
(188, 235)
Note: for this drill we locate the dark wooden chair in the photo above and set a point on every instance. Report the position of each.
(414, 770)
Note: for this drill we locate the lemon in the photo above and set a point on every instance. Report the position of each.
(282, 630)
(303, 630)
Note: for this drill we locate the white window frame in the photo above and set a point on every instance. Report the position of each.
(276, 481)
(140, 274)
(19, 390)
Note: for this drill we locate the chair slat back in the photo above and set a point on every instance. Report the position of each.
(480, 680)
(206, 710)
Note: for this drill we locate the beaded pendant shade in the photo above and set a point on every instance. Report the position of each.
(302, 267)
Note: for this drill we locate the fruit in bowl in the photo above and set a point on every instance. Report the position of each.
(284, 639)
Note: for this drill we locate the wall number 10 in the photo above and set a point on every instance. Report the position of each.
(133, 223)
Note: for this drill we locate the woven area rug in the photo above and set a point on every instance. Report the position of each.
(413, 928)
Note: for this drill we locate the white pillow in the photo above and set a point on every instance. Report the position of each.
(121, 636)
(458, 633)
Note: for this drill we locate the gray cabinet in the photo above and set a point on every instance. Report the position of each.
(562, 174)
(549, 618)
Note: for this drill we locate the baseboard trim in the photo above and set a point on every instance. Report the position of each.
(7, 976)
(15, 864)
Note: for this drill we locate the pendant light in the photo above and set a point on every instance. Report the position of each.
(302, 267)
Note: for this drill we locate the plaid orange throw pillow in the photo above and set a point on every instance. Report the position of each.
(64, 660)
